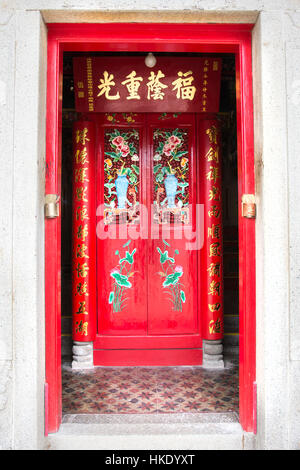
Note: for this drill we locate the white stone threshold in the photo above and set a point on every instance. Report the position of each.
(184, 431)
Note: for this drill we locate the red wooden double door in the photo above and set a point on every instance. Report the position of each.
(148, 273)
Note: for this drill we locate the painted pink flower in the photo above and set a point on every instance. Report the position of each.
(118, 141)
(174, 140)
(178, 269)
(115, 270)
(167, 150)
(125, 150)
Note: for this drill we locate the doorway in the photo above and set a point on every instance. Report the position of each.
(150, 280)
(242, 48)
(145, 294)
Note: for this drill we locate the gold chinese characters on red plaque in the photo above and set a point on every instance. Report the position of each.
(83, 227)
(213, 327)
(126, 84)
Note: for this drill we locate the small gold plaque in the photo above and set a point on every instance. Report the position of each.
(248, 206)
(51, 206)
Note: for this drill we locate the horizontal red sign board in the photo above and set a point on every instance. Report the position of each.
(126, 84)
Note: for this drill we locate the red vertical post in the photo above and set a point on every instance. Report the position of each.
(247, 253)
(212, 255)
(83, 233)
(53, 239)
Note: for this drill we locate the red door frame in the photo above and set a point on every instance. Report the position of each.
(230, 38)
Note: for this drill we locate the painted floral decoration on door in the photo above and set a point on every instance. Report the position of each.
(121, 275)
(121, 176)
(171, 176)
(171, 273)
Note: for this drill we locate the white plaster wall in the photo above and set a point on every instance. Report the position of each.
(292, 52)
(132, 5)
(28, 230)
(272, 230)
(22, 143)
(7, 62)
(22, 135)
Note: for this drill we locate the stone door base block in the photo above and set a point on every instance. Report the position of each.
(82, 355)
(213, 354)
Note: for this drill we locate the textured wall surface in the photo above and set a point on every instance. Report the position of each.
(7, 66)
(276, 75)
(292, 56)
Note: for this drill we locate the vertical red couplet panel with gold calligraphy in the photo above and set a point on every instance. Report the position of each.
(212, 253)
(84, 242)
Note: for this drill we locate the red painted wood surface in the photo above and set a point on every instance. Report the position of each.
(83, 232)
(114, 318)
(148, 357)
(173, 310)
(53, 239)
(179, 84)
(190, 341)
(148, 309)
(163, 37)
(247, 276)
(46, 398)
(230, 38)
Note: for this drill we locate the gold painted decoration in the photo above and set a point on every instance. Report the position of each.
(213, 256)
(125, 84)
(83, 251)
(171, 176)
(121, 176)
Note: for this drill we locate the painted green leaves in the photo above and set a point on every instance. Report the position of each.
(165, 256)
(111, 297)
(172, 274)
(121, 280)
(121, 274)
(109, 186)
(135, 169)
(128, 257)
(172, 279)
(156, 168)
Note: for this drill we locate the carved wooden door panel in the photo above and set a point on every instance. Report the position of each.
(172, 268)
(146, 263)
(121, 259)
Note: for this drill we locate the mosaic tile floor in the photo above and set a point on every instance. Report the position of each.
(150, 390)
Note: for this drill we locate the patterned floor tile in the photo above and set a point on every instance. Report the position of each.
(149, 390)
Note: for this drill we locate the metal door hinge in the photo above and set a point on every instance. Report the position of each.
(248, 206)
(51, 206)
